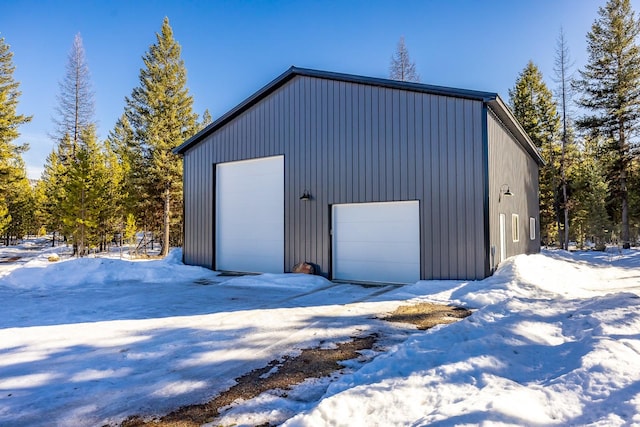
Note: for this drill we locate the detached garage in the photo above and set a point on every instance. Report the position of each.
(369, 179)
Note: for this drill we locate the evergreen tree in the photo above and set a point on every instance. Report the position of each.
(590, 191)
(5, 218)
(130, 230)
(11, 164)
(74, 125)
(86, 204)
(532, 104)
(50, 192)
(110, 182)
(21, 206)
(160, 112)
(401, 66)
(54, 179)
(128, 158)
(76, 99)
(610, 91)
(206, 119)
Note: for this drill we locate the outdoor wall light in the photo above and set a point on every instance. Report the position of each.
(504, 190)
(306, 196)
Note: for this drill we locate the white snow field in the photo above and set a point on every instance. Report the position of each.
(554, 340)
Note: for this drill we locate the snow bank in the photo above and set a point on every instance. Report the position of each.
(39, 273)
(553, 342)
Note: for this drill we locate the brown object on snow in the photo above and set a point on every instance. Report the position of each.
(304, 268)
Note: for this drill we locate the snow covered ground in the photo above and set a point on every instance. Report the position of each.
(554, 340)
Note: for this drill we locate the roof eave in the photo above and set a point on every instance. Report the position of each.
(295, 71)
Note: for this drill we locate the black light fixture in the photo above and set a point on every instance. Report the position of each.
(504, 190)
(306, 196)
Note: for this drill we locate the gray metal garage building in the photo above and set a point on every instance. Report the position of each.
(369, 179)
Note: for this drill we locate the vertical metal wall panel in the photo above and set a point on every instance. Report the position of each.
(511, 165)
(354, 143)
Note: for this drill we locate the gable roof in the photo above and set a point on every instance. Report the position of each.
(490, 98)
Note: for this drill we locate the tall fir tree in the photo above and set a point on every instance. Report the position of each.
(74, 125)
(11, 164)
(532, 104)
(160, 111)
(402, 68)
(75, 109)
(609, 87)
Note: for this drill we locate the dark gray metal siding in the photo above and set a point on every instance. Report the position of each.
(510, 164)
(351, 143)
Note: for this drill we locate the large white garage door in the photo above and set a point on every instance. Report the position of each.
(250, 215)
(377, 242)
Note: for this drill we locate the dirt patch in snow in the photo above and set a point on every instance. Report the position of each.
(286, 373)
(283, 374)
(427, 315)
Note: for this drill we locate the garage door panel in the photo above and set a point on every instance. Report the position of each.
(394, 252)
(376, 212)
(377, 242)
(381, 272)
(250, 215)
(247, 231)
(386, 232)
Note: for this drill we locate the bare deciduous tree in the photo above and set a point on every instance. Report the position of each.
(401, 66)
(75, 110)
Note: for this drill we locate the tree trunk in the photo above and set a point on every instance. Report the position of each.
(626, 244)
(565, 203)
(164, 251)
(624, 235)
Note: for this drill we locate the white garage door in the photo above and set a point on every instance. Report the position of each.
(250, 215)
(377, 242)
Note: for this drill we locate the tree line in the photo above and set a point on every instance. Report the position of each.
(92, 192)
(586, 131)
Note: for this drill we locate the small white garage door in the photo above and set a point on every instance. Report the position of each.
(377, 242)
(250, 215)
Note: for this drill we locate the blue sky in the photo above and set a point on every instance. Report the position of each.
(233, 48)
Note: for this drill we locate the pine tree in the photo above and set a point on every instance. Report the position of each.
(563, 78)
(206, 119)
(11, 164)
(401, 66)
(21, 206)
(130, 230)
(50, 192)
(76, 99)
(610, 90)
(74, 122)
(87, 201)
(5, 217)
(532, 104)
(128, 158)
(160, 112)
(590, 191)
